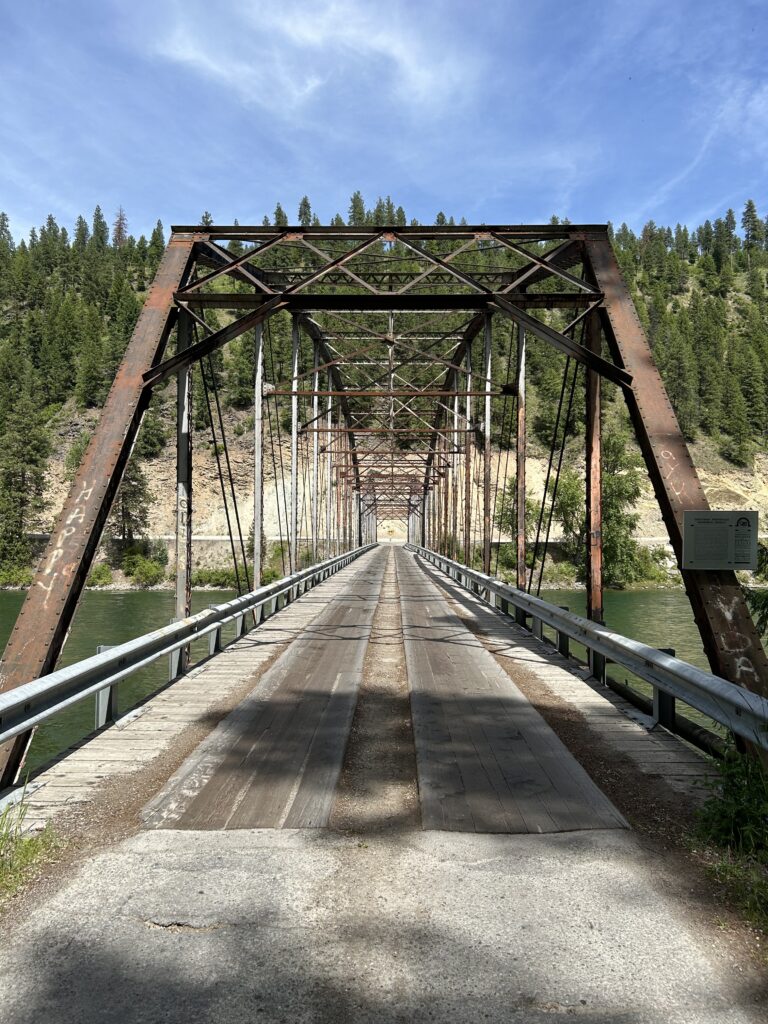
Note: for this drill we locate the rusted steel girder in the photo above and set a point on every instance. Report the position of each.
(522, 232)
(731, 641)
(47, 612)
(385, 301)
(594, 486)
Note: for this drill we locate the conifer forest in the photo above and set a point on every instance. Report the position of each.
(69, 299)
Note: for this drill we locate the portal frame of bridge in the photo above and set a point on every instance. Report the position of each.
(331, 279)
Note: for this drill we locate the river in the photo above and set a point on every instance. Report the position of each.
(662, 618)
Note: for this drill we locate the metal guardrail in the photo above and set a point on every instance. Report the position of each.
(26, 706)
(743, 712)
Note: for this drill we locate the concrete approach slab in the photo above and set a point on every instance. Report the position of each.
(316, 926)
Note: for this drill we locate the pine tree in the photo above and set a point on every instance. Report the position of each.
(752, 227)
(82, 235)
(6, 256)
(206, 220)
(120, 331)
(357, 216)
(305, 212)
(99, 230)
(738, 445)
(156, 247)
(89, 380)
(129, 518)
(24, 450)
(280, 217)
(120, 229)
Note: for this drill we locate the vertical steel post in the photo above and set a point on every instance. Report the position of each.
(338, 520)
(594, 480)
(468, 464)
(455, 478)
(521, 573)
(315, 450)
(444, 487)
(329, 546)
(258, 456)
(294, 524)
(183, 601)
(487, 356)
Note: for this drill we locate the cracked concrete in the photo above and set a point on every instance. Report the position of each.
(317, 926)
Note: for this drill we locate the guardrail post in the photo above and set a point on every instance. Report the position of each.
(239, 620)
(520, 616)
(537, 628)
(597, 666)
(664, 703)
(106, 699)
(214, 638)
(176, 660)
(563, 640)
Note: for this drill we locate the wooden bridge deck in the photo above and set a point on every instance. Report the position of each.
(487, 762)
(285, 695)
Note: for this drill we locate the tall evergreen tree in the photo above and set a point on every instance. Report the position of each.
(99, 230)
(89, 380)
(24, 450)
(281, 217)
(357, 217)
(120, 229)
(752, 227)
(305, 212)
(156, 247)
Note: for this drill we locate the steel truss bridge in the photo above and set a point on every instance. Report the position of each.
(407, 353)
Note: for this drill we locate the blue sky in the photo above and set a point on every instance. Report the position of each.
(498, 111)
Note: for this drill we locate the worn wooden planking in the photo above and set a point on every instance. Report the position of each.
(487, 761)
(657, 753)
(206, 691)
(275, 761)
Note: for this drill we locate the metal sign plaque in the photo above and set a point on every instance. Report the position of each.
(719, 540)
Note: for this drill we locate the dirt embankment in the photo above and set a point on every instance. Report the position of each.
(726, 486)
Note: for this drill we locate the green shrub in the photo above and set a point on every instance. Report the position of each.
(736, 814)
(735, 820)
(269, 576)
(75, 454)
(15, 575)
(145, 572)
(224, 578)
(150, 550)
(100, 576)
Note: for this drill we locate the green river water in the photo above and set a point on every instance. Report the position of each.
(661, 618)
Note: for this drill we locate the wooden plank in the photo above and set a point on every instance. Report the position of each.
(275, 761)
(486, 759)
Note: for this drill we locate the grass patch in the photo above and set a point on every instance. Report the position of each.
(20, 853)
(734, 824)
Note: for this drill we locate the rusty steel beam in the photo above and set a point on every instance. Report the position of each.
(216, 339)
(352, 392)
(419, 302)
(616, 374)
(594, 486)
(731, 641)
(520, 458)
(47, 612)
(523, 232)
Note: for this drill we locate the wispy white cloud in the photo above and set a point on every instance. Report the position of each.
(283, 56)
